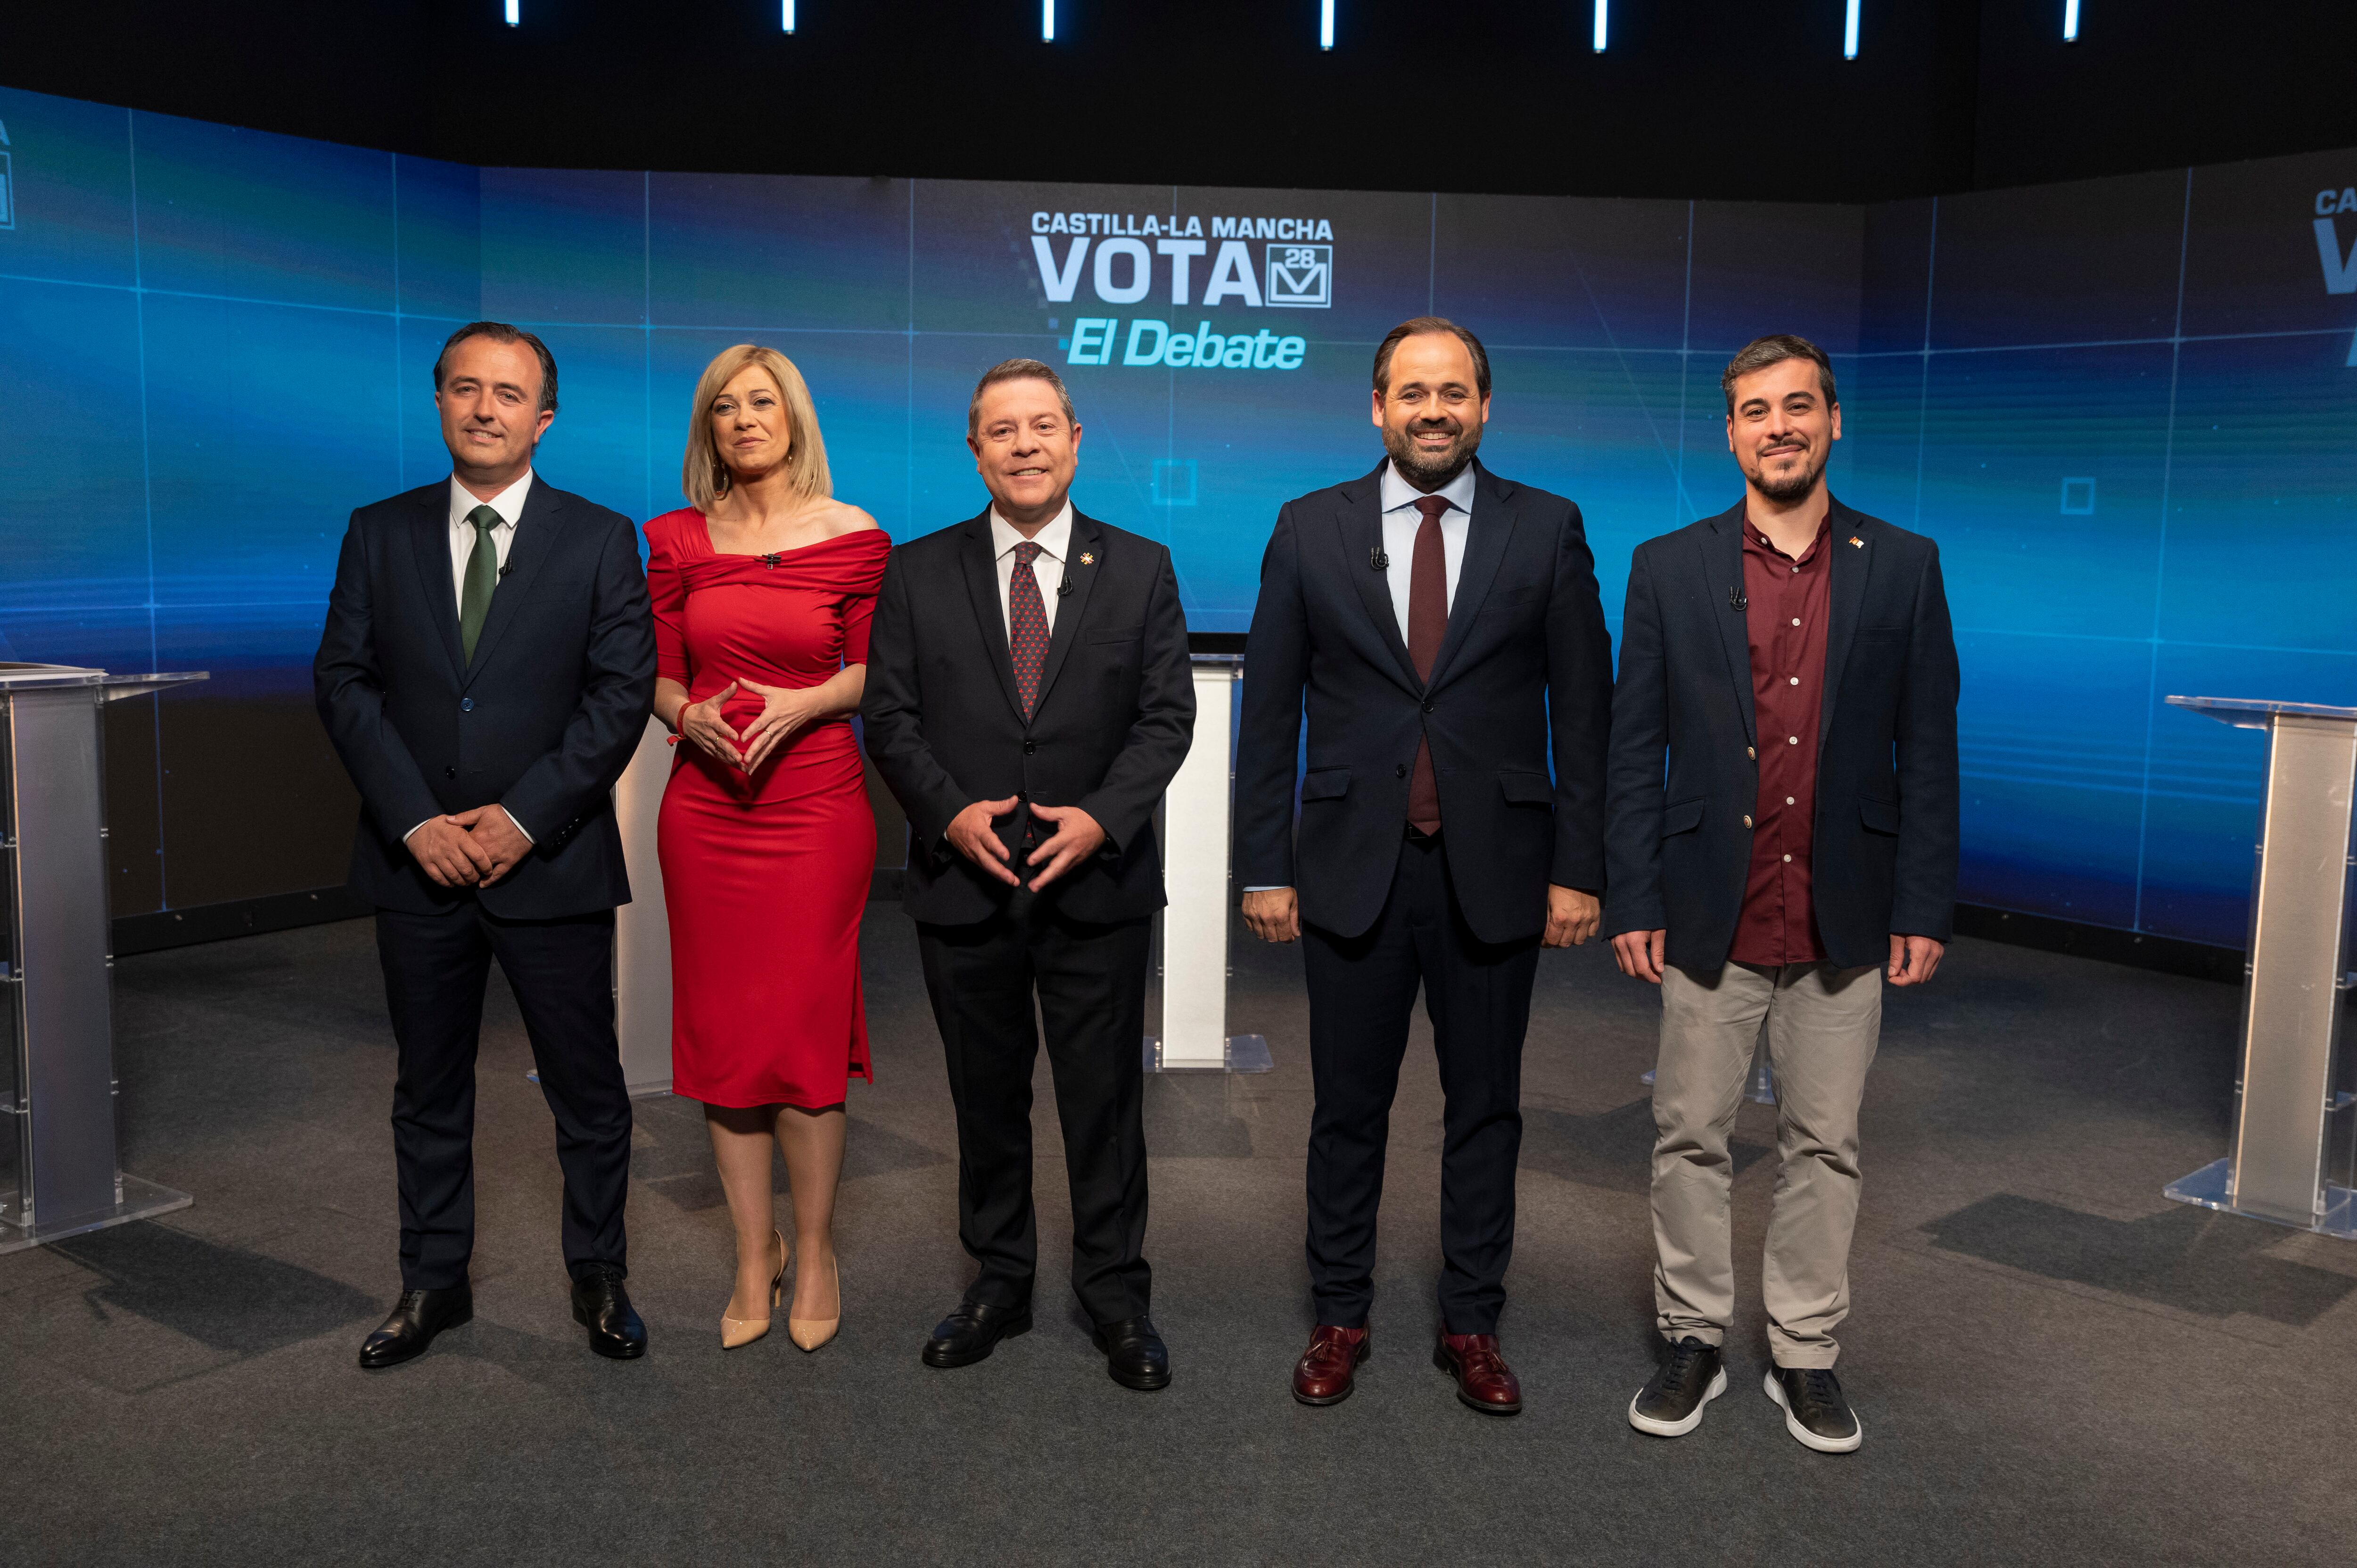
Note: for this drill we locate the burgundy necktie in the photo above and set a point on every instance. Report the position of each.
(1027, 626)
(1428, 624)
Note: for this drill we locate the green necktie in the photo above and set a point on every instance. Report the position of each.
(482, 580)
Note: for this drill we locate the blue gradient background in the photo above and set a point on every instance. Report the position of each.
(215, 342)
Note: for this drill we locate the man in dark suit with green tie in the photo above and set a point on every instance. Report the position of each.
(485, 673)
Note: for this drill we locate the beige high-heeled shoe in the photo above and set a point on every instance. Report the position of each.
(740, 1331)
(809, 1333)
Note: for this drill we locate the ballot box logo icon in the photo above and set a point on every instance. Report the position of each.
(1301, 276)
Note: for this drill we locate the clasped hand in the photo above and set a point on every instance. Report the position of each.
(1077, 837)
(469, 849)
(784, 710)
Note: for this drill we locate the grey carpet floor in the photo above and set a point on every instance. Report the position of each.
(2054, 1364)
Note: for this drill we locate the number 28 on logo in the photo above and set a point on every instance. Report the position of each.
(1301, 276)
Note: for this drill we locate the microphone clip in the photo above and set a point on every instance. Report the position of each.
(1063, 586)
(1377, 559)
(1737, 599)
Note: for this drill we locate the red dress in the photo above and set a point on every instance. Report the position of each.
(765, 877)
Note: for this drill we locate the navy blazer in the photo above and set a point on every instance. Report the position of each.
(1113, 719)
(1884, 852)
(1523, 677)
(542, 721)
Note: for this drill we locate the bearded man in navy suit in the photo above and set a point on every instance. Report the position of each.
(1440, 627)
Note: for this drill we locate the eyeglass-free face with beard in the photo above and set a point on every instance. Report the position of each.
(1783, 430)
(1433, 410)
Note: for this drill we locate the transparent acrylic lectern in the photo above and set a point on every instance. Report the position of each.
(59, 1177)
(2293, 1116)
(1190, 1011)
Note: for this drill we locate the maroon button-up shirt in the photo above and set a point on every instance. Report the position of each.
(1786, 620)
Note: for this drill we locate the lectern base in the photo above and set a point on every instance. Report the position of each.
(1245, 1053)
(2207, 1188)
(141, 1201)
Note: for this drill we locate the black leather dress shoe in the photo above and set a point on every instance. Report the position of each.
(601, 1305)
(421, 1315)
(973, 1331)
(1135, 1356)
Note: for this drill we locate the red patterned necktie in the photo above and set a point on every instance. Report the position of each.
(1428, 624)
(1027, 626)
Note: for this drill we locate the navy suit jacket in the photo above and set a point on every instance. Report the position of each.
(1683, 742)
(542, 721)
(1523, 676)
(1114, 714)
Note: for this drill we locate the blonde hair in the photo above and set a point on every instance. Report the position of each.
(702, 476)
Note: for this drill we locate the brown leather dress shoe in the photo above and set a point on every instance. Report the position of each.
(1324, 1373)
(1483, 1378)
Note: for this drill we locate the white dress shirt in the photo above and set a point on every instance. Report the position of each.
(1048, 568)
(1401, 522)
(509, 504)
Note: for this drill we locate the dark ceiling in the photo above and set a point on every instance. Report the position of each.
(1700, 98)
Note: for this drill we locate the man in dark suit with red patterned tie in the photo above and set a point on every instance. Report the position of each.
(1440, 627)
(1029, 701)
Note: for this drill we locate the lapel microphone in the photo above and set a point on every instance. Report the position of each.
(1737, 599)
(1064, 585)
(1378, 560)
(505, 570)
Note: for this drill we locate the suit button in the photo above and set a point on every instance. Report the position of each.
(1029, 747)
(1747, 821)
(1022, 794)
(1401, 771)
(1428, 707)
(449, 773)
(466, 705)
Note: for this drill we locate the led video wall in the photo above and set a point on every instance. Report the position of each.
(2127, 409)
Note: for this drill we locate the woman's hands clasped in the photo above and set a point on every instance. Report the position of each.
(784, 710)
(705, 729)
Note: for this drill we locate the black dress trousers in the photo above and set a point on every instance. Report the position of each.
(562, 973)
(1091, 983)
(1361, 994)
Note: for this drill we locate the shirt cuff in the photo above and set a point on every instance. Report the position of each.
(405, 837)
(1264, 889)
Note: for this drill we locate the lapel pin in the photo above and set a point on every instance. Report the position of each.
(1854, 539)
(1087, 559)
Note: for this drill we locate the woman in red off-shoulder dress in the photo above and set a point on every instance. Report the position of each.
(763, 594)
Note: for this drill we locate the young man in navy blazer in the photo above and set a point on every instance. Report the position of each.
(1440, 627)
(1782, 838)
(485, 673)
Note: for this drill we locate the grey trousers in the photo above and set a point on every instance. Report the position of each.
(1823, 1026)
